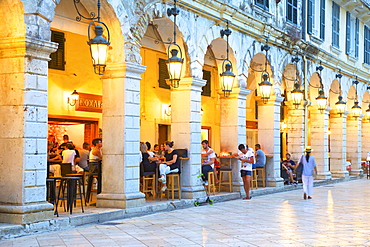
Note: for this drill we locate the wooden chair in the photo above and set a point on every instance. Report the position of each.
(148, 181)
(260, 173)
(211, 183)
(254, 183)
(173, 184)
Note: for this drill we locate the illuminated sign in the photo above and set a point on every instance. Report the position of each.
(89, 102)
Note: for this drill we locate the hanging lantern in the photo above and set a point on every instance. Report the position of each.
(265, 87)
(321, 101)
(174, 64)
(356, 110)
(98, 49)
(340, 105)
(227, 79)
(297, 95)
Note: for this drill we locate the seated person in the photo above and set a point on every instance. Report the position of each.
(170, 165)
(69, 156)
(84, 156)
(287, 168)
(208, 160)
(148, 165)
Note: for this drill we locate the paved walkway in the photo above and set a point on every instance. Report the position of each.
(338, 215)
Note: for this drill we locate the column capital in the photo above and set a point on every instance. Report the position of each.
(121, 70)
(273, 100)
(334, 114)
(240, 93)
(191, 83)
(350, 117)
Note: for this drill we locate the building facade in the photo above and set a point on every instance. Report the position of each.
(44, 57)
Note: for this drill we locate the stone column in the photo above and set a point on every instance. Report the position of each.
(354, 144)
(121, 137)
(186, 132)
(365, 138)
(338, 145)
(23, 132)
(233, 128)
(296, 132)
(269, 138)
(319, 141)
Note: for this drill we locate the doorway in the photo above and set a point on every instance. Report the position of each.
(164, 132)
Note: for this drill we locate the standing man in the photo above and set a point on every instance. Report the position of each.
(309, 164)
(208, 160)
(260, 157)
(247, 159)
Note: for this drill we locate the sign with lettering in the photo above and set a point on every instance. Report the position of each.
(251, 124)
(89, 102)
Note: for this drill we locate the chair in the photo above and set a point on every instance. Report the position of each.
(229, 182)
(211, 183)
(173, 184)
(254, 181)
(51, 196)
(261, 177)
(149, 181)
(93, 174)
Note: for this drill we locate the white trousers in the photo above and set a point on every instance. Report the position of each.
(165, 169)
(307, 184)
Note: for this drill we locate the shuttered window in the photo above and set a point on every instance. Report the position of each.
(322, 19)
(163, 74)
(367, 45)
(292, 11)
(206, 90)
(310, 17)
(263, 4)
(348, 33)
(335, 25)
(57, 58)
(357, 36)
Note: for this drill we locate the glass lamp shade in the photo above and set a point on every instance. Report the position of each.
(321, 101)
(297, 95)
(72, 100)
(340, 105)
(98, 48)
(356, 110)
(174, 65)
(227, 80)
(265, 87)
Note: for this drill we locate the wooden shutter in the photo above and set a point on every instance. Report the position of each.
(57, 58)
(207, 88)
(366, 45)
(335, 20)
(163, 73)
(348, 33)
(322, 19)
(357, 36)
(310, 19)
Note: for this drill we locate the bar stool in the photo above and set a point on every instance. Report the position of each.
(80, 182)
(71, 184)
(262, 177)
(211, 183)
(51, 196)
(173, 184)
(254, 179)
(149, 181)
(229, 182)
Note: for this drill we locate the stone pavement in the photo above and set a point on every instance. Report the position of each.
(337, 215)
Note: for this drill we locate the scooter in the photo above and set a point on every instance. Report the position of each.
(208, 200)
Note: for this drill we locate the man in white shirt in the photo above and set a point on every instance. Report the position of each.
(247, 159)
(208, 160)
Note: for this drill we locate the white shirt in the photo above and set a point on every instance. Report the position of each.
(151, 154)
(246, 166)
(210, 156)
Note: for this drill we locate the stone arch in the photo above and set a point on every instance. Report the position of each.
(334, 93)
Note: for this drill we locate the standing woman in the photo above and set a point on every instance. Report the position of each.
(309, 164)
(171, 164)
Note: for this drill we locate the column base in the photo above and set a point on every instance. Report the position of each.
(193, 192)
(340, 174)
(275, 182)
(323, 175)
(356, 172)
(132, 200)
(26, 214)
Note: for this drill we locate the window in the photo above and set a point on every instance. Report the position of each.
(263, 4)
(292, 11)
(206, 90)
(352, 35)
(310, 16)
(322, 19)
(367, 45)
(57, 58)
(163, 74)
(335, 20)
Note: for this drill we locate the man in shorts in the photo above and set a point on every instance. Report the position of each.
(247, 159)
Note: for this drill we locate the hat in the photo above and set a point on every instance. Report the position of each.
(308, 149)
